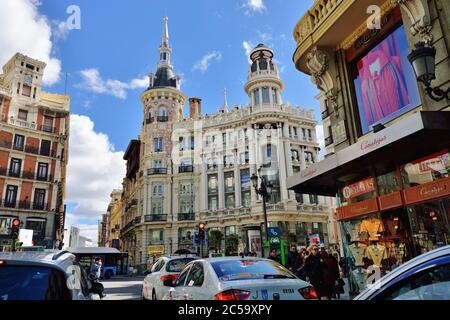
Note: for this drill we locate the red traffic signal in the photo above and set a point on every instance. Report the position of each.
(15, 228)
(16, 223)
(201, 226)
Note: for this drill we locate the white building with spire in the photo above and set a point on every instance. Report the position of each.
(185, 170)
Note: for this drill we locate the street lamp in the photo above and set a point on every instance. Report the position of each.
(423, 61)
(265, 191)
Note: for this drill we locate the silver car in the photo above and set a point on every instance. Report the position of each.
(236, 278)
(426, 277)
(49, 275)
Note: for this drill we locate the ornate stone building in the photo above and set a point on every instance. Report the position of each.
(186, 170)
(34, 129)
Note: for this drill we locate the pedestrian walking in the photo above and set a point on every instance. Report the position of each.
(293, 259)
(330, 274)
(96, 268)
(314, 269)
(275, 256)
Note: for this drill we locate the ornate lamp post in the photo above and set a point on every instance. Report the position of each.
(265, 191)
(422, 58)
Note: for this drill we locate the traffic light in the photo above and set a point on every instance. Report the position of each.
(15, 228)
(201, 231)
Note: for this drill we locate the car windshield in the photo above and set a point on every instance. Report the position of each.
(177, 265)
(32, 283)
(250, 269)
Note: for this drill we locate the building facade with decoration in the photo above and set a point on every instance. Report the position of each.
(34, 131)
(183, 170)
(384, 80)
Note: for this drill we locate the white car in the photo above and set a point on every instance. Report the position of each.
(164, 271)
(236, 278)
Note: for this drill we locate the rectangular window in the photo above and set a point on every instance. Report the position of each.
(23, 115)
(313, 199)
(181, 143)
(245, 188)
(212, 183)
(384, 81)
(157, 189)
(186, 205)
(39, 199)
(265, 95)
(299, 198)
(229, 190)
(192, 143)
(213, 203)
(256, 95)
(185, 188)
(26, 90)
(11, 196)
(15, 167)
(42, 173)
(38, 227)
(269, 151)
(157, 206)
(274, 96)
(213, 199)
(158, 144)
(19, 142)
(45, 148)
(48, 124)
(157, 164)
(304, 133)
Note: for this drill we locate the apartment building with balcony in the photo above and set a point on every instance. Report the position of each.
(34, 129)
(183, 170)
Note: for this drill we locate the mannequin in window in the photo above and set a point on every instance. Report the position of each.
(373, 226)
(398, 253)
(358, 252)
(377, 253)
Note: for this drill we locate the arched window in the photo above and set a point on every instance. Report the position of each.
(265, 95)
(295, 155)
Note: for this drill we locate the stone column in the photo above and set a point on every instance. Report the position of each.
(221, 182)
(237, 182)
(282, 163)
(203, 195)
(253, 162)
(145, 200)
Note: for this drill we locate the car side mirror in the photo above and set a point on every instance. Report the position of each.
(97, 288)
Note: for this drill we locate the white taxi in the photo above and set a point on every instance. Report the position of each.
(236, 278)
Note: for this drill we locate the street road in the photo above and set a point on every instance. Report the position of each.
(123, 288)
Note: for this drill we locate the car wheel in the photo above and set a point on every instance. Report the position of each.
(154, 295)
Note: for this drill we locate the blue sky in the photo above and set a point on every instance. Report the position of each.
(120, 39)
(108, 59)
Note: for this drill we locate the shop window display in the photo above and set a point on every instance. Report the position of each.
(428, 169)
(429, 225)
(376, 242)
(388, 183)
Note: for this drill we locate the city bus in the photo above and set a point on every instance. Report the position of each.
(114, 261)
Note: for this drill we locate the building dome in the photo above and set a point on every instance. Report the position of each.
(263, 55)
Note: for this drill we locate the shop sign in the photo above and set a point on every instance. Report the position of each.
(314, 239)
(390, 201)
(427, 191)
(156, 249)
(358, 188)
(370, 144)
(308, 173)
(359, 209)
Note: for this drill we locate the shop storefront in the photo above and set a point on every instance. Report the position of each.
(393, 191)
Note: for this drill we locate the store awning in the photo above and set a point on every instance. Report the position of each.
(420, 134)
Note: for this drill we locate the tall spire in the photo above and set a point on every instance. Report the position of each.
(164, 49)
(225, 101)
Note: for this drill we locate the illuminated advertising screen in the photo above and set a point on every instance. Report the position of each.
(385, 83)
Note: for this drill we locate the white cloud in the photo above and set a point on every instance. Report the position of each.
(23, 29)
(248, 47)
(93, 81)
(60, 29)
(253, 6)
(321, 140)
(94, 170)
(204, 62)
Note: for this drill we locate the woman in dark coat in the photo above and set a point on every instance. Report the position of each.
(330, 274)
(314, 270)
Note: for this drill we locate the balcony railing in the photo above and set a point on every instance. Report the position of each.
(188, 168)
(45, 128)
(163, 118)
(186, 217)
(25, 205)
(22, 123)
(156, 171)
(155, 217)
(29, 175)
(328, 141)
